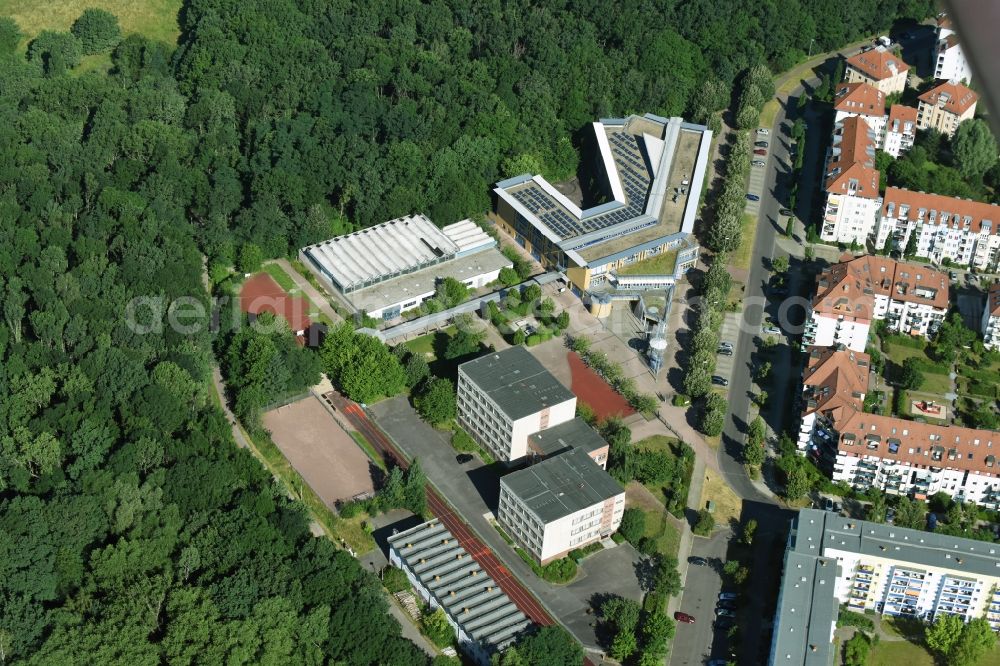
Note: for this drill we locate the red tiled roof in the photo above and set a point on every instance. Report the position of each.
(977, 211)
(943, 21)
(994, 299)
(898, 113)
(853, 168)
(850, 287)
(877, 63)
(956, 447)
(261, 293)
(860, 98)
(953, 96)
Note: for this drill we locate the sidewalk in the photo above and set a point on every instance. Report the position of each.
(321, 301)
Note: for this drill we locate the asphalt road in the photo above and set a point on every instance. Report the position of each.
(697, 643)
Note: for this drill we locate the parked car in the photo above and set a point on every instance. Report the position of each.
(758, 163)
(720, 381)
(763, 130)
(724, 351)
(760, 144)
(760, 151)
(952, 275)
(890, 516)
(827, 504)
(463, 458)
(753, 197)
(700, 561)
(728, 596)
(785, 211)
(684, 617)
(772, 330)
(727, 605)
(725, 612)
(724, 343)
(724, 622)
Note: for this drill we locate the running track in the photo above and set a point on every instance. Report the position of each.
(483, 555)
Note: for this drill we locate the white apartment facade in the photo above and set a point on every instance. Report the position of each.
(852, 183)
(959, 230)
(949, 59)
(505, 397)
(991, 318)
(911, 298)
(900, 130)
(560, 504)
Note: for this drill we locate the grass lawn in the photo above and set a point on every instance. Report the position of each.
(425, 344)
(893, 653)
(741, 257)
(728, 506)
(898, 353)
(156, 19)
(734, 300)
(659, 526)
(770, 110)
(934, 383)
(283, 279)
(661, 264)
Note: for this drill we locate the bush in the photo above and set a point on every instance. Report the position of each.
(848, 618)
(562, 570)
(633, 525)
(395, 580)
(533, 339)
(705, 524)
(578, 554)
(351, 510)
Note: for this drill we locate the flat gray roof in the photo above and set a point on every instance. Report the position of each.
(402, 289)
(458, 584)
(807, 606)
(516, 382)
(561, 485)
(573, 434)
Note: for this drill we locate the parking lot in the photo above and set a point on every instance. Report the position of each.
(699, 642)
(757, 174)
(730, 333)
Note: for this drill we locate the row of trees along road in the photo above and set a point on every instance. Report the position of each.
(136, 531)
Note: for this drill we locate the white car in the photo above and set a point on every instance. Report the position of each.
(772, 330)
(763, 130)
(758, 163)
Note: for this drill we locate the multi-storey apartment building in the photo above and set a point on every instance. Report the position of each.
(852, 196)
(991, 318)
(962, 231)
(860, 100)
(949, 59)
(893, 454)
(564, 502)
(832, 560)
(912, 298)
(945, 106)
(506, 396)
(900, 130)
(878, 67)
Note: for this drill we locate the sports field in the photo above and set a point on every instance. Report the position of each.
(329, 460)
(592, 390)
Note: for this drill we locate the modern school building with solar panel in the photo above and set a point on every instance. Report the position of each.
(652, 169)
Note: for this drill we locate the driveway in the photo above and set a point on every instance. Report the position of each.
(697, 643)
(472, 490)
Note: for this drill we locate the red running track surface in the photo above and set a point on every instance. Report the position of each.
(483, 555)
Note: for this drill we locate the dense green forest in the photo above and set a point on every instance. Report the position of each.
(131, 528)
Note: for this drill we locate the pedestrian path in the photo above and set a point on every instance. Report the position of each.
(321, 301)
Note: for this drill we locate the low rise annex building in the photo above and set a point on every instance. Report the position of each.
(395, 266)
(889, 453)
(564, 502)
(832, 560)
(651, 170)
(507, 396)
(962, 231)
(446, 576)
(850, 295)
